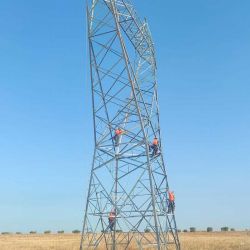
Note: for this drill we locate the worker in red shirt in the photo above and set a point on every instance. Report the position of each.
(117, 136)
(171, 201)
(112, 217)
(155, 147)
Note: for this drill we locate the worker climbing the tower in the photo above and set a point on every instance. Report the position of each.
(117, 136)
(155, 147)
(112, 217)
(171, 201)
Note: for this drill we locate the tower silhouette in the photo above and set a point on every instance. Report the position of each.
(128, 202)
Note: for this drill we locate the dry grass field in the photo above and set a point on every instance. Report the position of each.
(189, 241)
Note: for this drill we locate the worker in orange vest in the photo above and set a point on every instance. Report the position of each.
(112, 217)
(155, 147)
(118, 133)
(171, 201)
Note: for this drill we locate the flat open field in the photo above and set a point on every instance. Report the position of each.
(189, 241)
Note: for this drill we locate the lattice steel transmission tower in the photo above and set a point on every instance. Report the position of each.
(128, 189)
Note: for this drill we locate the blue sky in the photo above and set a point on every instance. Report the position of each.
(46, 139)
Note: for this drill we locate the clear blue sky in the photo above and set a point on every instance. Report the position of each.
(46, 139)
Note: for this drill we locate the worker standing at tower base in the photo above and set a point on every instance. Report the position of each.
(112, 218)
